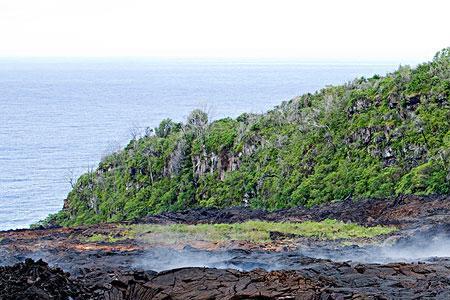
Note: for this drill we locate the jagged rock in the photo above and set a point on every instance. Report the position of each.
(320, 280)
(35, 281)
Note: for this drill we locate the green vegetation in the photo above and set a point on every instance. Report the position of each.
(98, 237)
(373, 137)
(251, 231)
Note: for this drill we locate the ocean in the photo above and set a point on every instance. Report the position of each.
(59, 117)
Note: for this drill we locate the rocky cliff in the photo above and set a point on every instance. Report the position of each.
(370, 138)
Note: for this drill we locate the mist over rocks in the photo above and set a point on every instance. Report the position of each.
(409, 263)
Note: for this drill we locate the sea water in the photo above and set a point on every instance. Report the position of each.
(59, 117)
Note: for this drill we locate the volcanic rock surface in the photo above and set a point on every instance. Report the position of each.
(287, 268)
(320, 280)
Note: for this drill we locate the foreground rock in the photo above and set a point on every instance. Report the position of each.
(35, 280)
(321, 280)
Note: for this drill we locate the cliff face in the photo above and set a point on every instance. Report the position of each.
(372, 137)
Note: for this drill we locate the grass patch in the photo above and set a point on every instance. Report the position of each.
(98, 237)
(252, 231)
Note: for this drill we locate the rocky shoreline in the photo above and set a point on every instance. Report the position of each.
(410, 263)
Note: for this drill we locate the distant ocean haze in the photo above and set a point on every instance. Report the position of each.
(59, 118)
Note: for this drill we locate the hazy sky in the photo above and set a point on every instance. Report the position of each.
(306, 30)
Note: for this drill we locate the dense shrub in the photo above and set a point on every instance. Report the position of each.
(374, 137)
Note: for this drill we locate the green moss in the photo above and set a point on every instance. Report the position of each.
(253, 231)
(95, 238)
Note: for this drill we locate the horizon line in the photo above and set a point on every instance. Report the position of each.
(57, 59)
